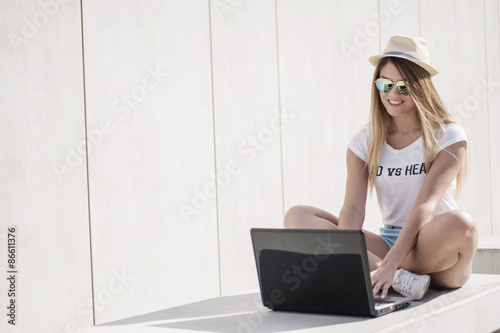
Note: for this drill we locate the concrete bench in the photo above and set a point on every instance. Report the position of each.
(472, 308)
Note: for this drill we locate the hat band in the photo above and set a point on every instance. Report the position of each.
(403, 54)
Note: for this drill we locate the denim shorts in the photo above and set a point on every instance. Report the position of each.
(389, 234)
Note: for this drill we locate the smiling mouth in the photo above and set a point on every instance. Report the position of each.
(394, 102)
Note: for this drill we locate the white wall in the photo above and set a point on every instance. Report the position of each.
(43, 168)
(151, 80)
(326, 85)
(204, 119)
(492, 29)
(247, 132)
(468, 69)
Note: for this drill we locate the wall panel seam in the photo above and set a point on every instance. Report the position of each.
(215, 145)
(485, 20)
(87, 163)
(379, 28)
(279, 109)
(419, 19)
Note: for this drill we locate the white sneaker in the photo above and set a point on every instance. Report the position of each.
(411, 285)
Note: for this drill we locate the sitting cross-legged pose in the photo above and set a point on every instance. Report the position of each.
(414, 154)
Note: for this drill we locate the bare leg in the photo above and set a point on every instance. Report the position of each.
(307, 217)
(445, 249)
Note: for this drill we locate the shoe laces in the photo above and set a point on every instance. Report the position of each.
(405, 281)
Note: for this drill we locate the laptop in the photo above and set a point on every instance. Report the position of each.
(318, 271)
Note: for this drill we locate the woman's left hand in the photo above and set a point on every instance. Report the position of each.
(382, 279)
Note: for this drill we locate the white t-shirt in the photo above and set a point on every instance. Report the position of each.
(401, 173)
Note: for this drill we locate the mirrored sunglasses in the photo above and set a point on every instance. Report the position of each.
(384, 85)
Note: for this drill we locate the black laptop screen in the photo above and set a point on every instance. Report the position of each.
(324, 283)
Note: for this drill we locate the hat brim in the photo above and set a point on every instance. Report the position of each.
(374, 60)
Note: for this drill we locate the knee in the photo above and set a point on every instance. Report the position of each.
(461, 226)
(457, 221)
(294, 216)
(464, 223)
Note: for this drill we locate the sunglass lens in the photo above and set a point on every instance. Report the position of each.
(383, 85)
(403, 88)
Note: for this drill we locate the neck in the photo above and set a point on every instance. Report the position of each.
(404, 124)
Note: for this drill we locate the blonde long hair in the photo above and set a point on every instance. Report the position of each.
(431, 112)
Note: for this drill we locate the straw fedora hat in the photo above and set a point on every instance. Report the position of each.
(415, 50)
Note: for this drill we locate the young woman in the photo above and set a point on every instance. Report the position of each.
(413, 153)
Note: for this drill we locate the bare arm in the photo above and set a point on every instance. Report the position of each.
(443, 171)
(352, 214)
